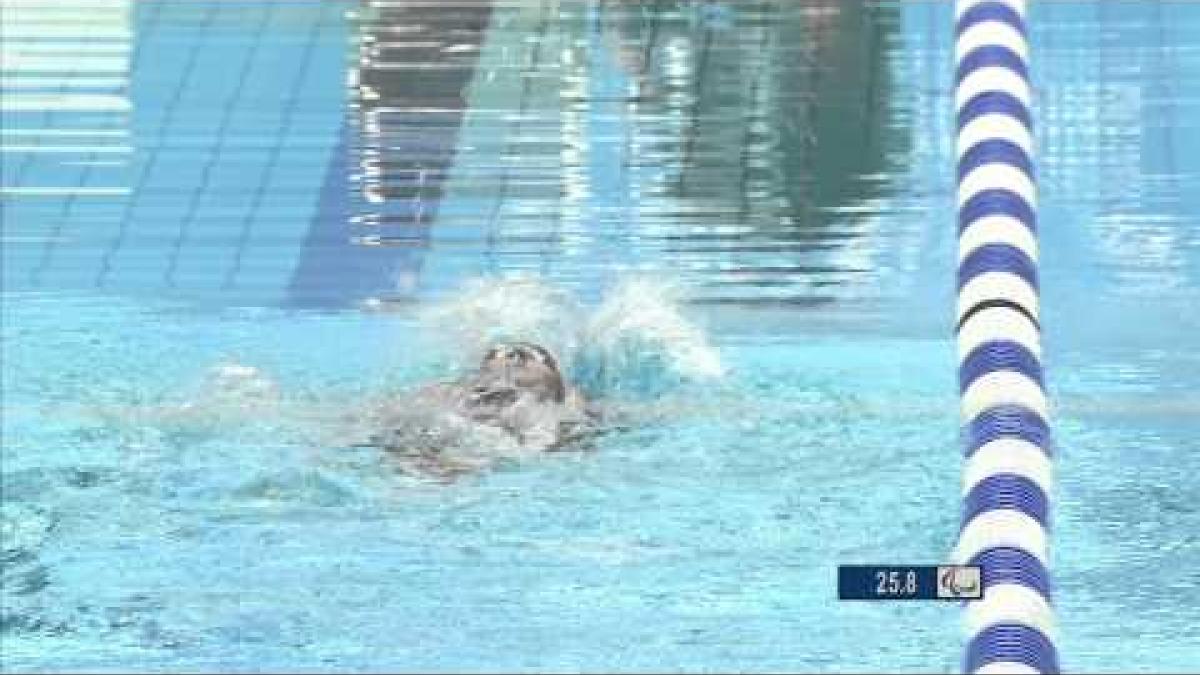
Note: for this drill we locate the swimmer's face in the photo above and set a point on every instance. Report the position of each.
(528, 366)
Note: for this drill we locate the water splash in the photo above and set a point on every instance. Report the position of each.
(634, 346)
(636, 341)
(484, 311)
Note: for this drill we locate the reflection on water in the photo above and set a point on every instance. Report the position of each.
(757, 152)
(1119, 137)
(164, 148)
(407, 101)
(740, 148)
(65, 116)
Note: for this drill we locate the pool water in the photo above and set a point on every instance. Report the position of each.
(742, 211)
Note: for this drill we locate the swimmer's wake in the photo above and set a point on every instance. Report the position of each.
(528, 372)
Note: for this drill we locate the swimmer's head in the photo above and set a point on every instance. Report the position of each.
(528, 366)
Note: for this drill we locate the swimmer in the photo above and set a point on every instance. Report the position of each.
(517, 396)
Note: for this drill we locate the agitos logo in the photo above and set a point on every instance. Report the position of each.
(959, 582)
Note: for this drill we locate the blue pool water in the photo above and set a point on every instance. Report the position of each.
(310, 189)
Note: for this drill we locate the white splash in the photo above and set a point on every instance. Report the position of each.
(647, 312)
(637, 337)
(460, 328)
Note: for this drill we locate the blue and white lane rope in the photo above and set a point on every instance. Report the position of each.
(1007, 475)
